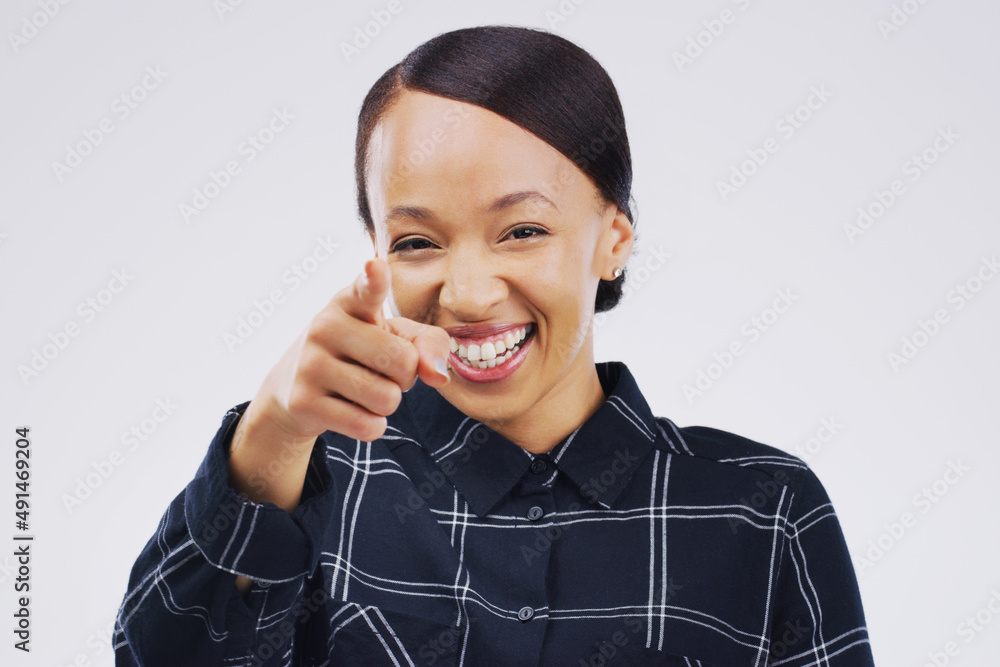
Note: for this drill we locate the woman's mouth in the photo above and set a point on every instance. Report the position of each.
(491, 358)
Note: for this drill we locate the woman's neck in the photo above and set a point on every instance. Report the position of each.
(568, 405)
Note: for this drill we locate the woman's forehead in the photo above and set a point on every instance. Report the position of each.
(433, 148)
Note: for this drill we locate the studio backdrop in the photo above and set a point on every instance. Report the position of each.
(816, 266)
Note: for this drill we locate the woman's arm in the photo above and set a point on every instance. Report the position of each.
(260, 475)
(182, 606)
(233, 550)
(817, 614)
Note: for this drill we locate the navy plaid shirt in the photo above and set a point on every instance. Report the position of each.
(632, 542)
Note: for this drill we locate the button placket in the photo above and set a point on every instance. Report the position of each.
(538, 502)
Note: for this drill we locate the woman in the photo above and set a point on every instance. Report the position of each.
(462, 484)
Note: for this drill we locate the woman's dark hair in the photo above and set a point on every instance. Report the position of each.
(533, 78)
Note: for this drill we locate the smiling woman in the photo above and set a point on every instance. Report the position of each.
(369, 507)
(477, 247)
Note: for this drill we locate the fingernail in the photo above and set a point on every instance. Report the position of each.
(441, 366)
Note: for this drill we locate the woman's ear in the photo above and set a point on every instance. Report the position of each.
(617, 237)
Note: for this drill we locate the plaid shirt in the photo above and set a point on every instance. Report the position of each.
(632, 542)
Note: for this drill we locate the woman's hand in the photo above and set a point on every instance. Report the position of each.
(345, 373)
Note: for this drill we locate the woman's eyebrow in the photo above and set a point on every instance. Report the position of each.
(412, 212)
(499, 204)
(523, 196)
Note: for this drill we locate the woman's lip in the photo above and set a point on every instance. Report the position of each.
(500, 372)
(485, 331)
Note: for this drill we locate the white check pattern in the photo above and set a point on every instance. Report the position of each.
(632, 542)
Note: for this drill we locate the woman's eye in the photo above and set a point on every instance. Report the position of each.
(411, 244)
(533, 231)
(518, 233)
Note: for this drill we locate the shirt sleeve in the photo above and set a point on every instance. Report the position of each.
(818, 618)
(182, 606)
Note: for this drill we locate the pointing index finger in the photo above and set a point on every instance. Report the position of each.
(370, 290)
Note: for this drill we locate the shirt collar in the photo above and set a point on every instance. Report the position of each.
(600, 457)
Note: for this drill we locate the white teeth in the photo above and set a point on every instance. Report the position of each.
(490, 353)
(491, 363)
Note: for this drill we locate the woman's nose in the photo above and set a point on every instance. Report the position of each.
(472, 286)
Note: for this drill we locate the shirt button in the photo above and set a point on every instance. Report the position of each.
(535, 513)
(525, 613)
(538, 466)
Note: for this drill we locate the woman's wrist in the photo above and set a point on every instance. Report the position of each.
(265, 463)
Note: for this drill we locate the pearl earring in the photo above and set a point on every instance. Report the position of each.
(617, 272)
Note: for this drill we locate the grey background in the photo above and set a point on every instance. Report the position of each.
(897, 430)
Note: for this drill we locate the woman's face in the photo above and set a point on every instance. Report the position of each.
(488, 230)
